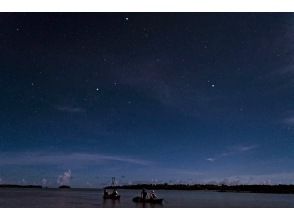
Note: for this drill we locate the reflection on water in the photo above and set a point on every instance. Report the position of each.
(148, 205)
(107, 203)
(174, 199)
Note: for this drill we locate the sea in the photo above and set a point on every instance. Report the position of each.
(92, 198)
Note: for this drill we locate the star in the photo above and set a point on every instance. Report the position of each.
(97, 89)
(212, 85)
(126, 18)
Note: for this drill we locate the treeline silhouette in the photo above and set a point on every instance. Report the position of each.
(64, 187)
(220, 188)
(30, 186)
(19, 186)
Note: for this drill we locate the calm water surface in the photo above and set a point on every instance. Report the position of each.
(173, 199)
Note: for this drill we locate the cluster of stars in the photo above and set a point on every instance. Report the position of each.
(211, 83)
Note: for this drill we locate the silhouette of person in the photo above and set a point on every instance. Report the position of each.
(144, 194)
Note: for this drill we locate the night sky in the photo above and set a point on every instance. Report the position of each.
(146, 97)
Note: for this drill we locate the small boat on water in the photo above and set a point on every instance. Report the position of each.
(153, 201)
(114, 195)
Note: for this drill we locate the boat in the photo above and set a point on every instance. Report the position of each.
(110, 196)
(153, 201)
(114, 195)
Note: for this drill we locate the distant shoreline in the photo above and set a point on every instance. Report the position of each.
(276, 189)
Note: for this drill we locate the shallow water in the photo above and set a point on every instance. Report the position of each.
(173, 199)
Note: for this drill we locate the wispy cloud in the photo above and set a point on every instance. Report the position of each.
(238, 149)
(62, 158)
(70, 109)
(280, 79)
(287, 70)
(247, 148)
(210, 159)
(289, 120)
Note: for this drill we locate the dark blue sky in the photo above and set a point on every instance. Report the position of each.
(162, 97)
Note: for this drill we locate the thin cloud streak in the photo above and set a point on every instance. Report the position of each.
(210, 159)
(57, 159)
(70, 109)
(289, 120)
(247, 148)
(239, 149)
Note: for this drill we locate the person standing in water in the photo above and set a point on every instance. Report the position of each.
(144, 194)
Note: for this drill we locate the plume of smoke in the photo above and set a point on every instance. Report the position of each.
(89, 184)
(23, 181)
(65, 178)
(44, 182)
(267, 182)
(230, 181)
